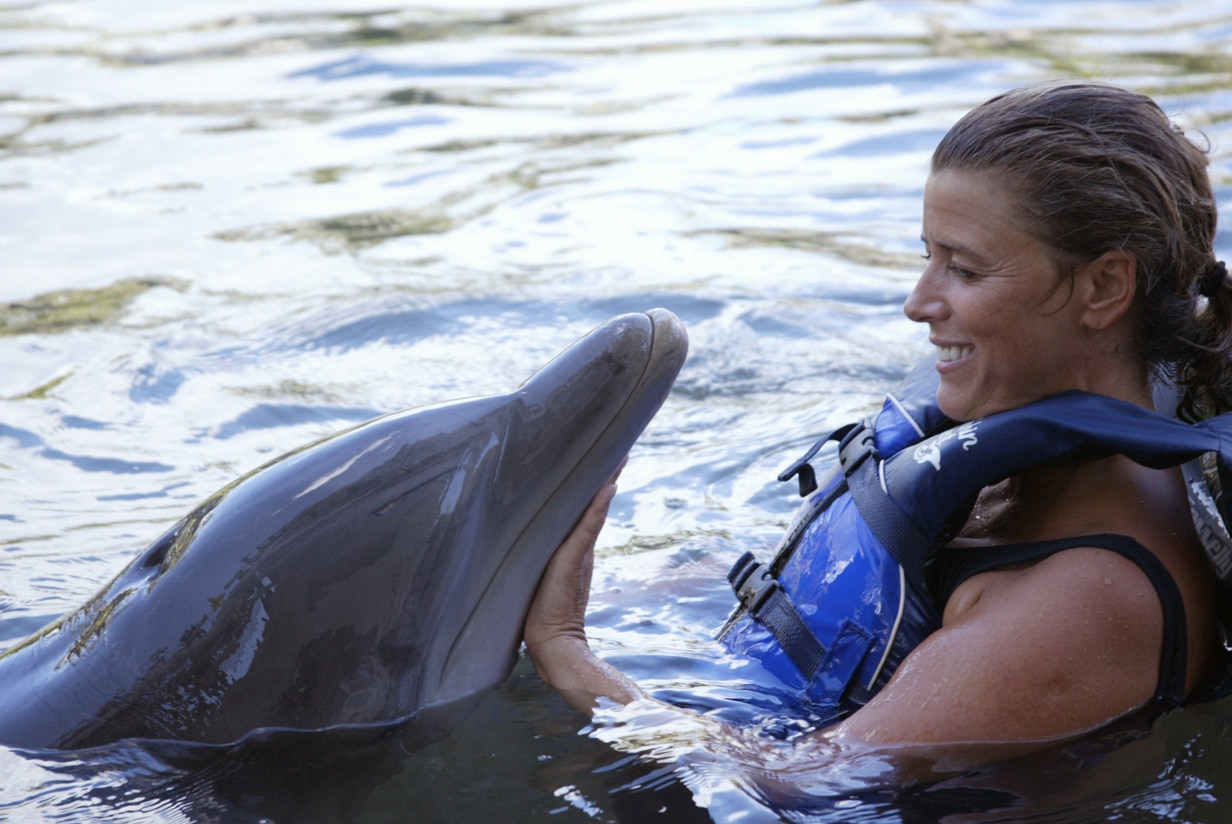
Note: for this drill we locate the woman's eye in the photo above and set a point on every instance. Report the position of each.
(953, 268)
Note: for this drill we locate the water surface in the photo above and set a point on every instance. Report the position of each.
(230, 228)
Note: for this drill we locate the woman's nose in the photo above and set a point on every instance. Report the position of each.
(924, 304)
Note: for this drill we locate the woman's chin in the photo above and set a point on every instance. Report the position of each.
(952, 404)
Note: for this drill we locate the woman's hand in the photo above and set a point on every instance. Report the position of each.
(555, 628)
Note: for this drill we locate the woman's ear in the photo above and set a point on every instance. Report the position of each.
(1107, 285)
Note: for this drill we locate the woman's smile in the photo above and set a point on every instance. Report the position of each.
(949, 353)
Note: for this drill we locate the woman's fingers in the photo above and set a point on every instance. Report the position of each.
(559, 606)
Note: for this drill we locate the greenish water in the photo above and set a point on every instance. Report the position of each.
(231, 228)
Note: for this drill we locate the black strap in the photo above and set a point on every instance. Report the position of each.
(861, 467)
(807, 476)
(894, 530)
(956, 565)
(767, 603)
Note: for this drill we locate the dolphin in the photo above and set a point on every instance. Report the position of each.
(379, 577)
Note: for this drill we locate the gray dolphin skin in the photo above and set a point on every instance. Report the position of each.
(380, 576)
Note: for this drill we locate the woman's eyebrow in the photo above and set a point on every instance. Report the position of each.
(949, 247)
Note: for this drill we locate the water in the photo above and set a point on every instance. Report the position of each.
(230, 228)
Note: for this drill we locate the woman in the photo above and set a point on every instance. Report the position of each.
(1069, 233)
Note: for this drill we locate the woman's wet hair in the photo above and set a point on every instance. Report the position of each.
(1096, 168)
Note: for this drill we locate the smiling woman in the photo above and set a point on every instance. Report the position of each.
(1069, 231)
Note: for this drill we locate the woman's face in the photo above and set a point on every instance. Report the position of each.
(1005, 330)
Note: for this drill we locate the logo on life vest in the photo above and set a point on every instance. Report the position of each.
(929, 451)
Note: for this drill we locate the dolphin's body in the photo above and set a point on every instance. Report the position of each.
(378, 577)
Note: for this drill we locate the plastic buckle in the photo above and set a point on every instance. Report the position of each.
(856, 448)
(741, 570)
(752, 589)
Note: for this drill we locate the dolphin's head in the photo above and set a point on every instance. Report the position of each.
(441, 521)
(571, 425)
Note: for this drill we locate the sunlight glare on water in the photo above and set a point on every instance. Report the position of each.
(231, 228)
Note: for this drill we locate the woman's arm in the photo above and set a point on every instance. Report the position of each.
(1040, 655)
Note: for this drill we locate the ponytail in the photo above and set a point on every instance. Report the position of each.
(1206, 368)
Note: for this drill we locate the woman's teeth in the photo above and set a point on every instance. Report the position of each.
(953, 353)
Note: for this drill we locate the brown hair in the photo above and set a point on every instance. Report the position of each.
(1099, 168)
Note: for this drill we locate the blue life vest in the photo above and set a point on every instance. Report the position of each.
(845, 597)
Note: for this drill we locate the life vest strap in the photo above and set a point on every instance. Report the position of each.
(768, 603)
(897, 533)
(803, 470)
(860, 463)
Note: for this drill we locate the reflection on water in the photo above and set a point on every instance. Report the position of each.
(230, 228)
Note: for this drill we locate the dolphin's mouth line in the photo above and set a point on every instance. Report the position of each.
(658, 351)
